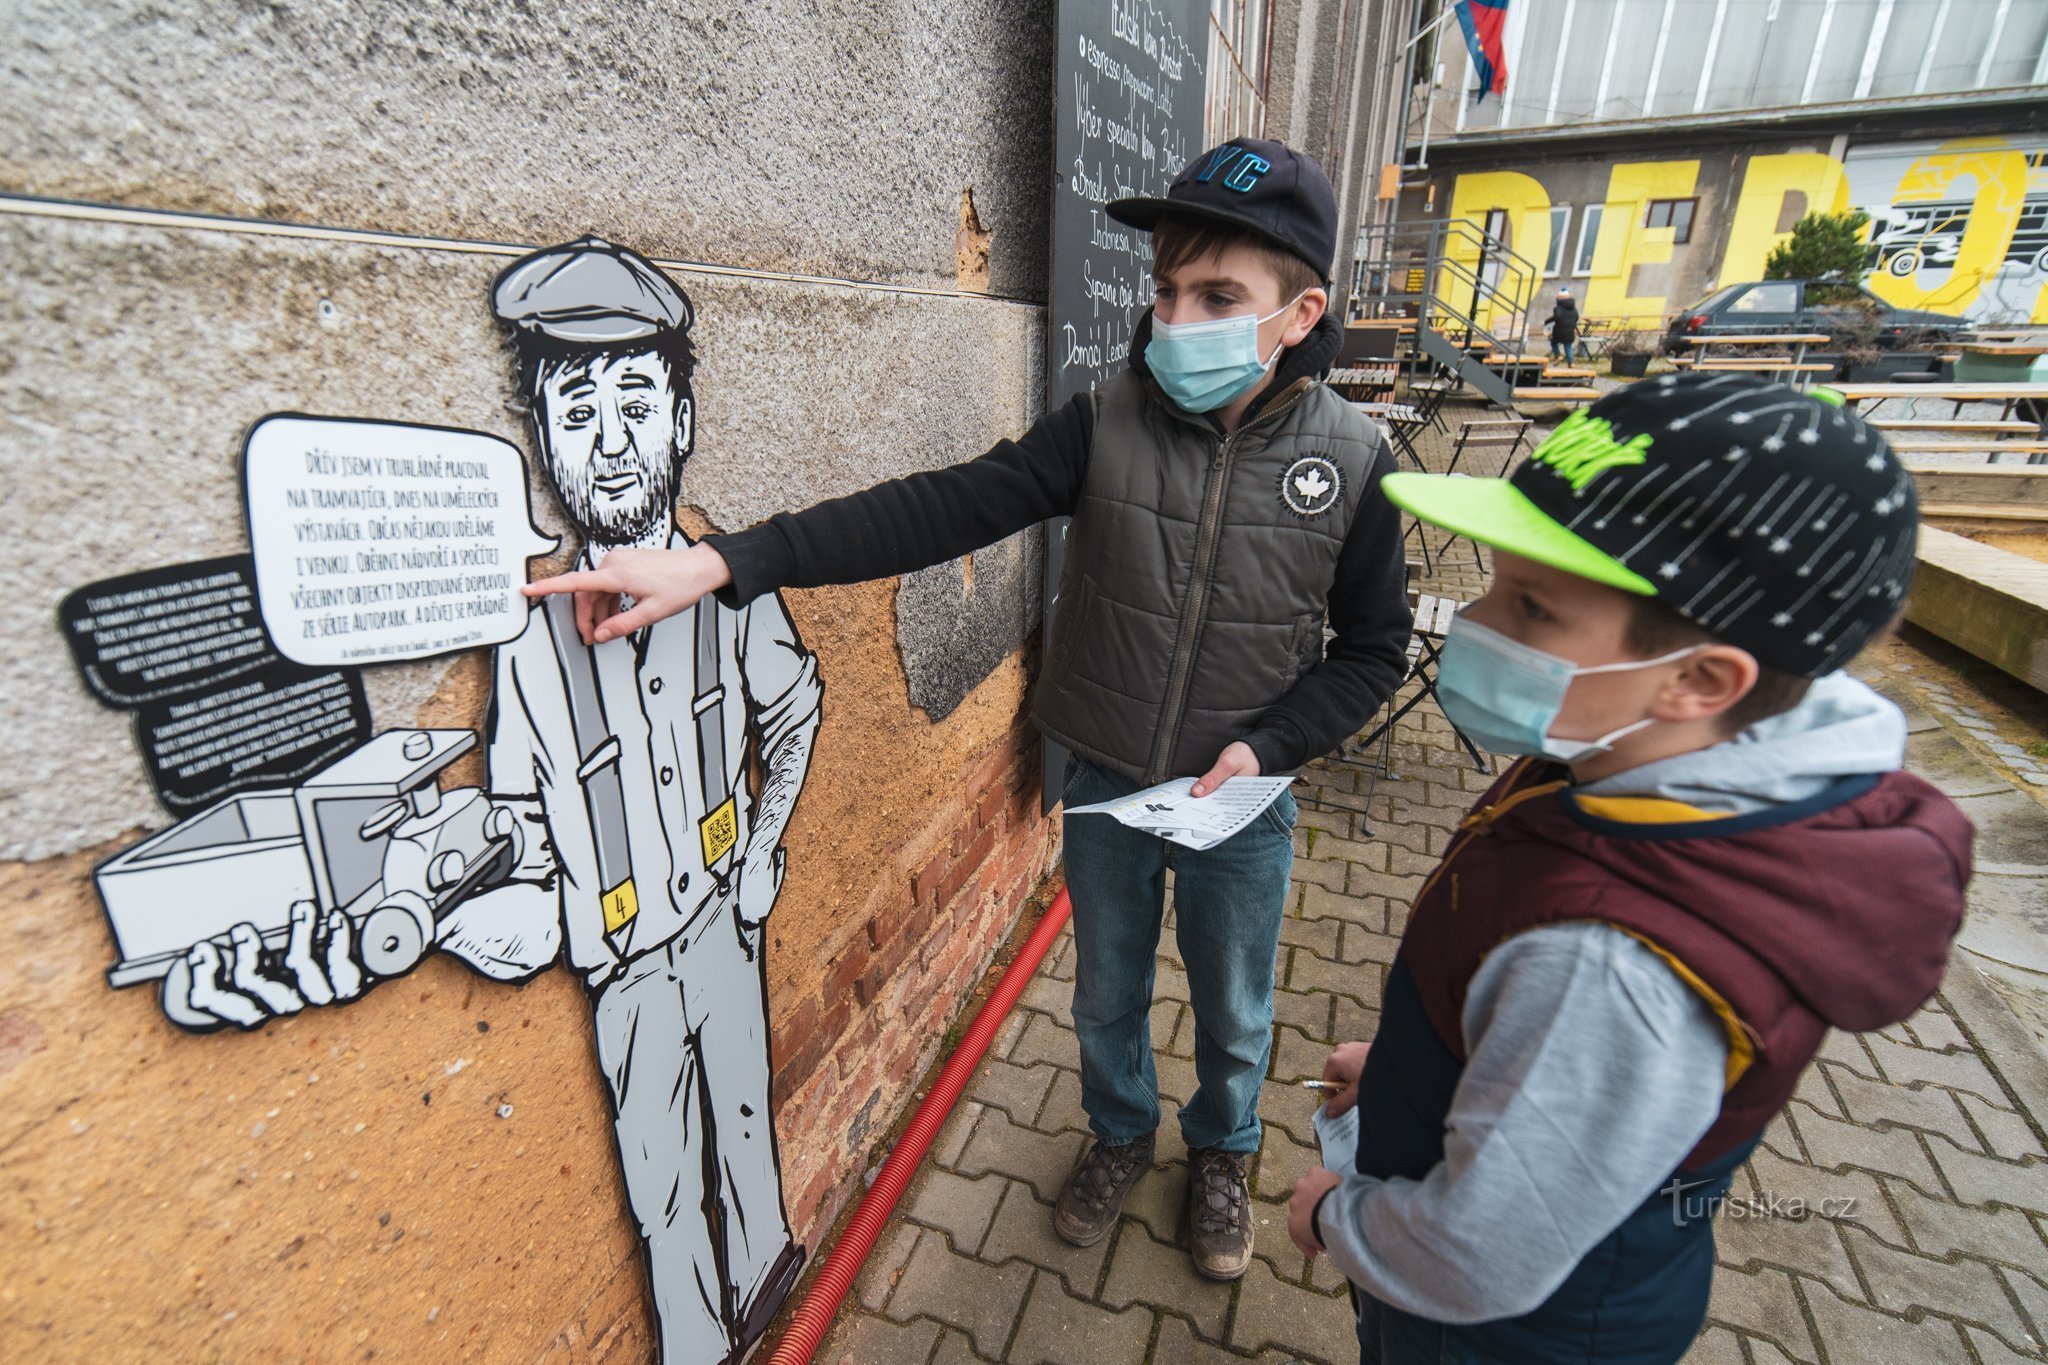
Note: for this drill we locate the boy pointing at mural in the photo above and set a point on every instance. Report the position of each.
(1225, 505)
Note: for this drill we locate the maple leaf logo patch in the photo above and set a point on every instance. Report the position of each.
(1311, 486)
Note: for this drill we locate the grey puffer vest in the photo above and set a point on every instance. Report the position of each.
(1197, 573)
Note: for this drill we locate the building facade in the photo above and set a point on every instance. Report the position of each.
(1645, 154)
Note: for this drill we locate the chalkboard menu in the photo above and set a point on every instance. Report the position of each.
(1127, 114)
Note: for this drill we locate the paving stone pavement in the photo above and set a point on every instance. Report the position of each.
(1912, 1158)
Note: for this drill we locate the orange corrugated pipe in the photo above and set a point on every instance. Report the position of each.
(821, 1304)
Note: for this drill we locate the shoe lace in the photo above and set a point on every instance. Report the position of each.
(1105, 1169)
(1220, 1192)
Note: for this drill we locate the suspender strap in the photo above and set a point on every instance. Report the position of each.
(598, 771)
(719, 829)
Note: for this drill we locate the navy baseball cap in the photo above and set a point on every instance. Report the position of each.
(1265, 187)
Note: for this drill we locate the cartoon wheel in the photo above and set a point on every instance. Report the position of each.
(1903, 264)
(396, 935)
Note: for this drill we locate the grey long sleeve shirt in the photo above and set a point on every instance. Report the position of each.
(1591, 1071)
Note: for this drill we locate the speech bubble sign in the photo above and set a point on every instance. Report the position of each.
(217, 710)
(382, 541)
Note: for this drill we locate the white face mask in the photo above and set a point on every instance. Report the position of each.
(1506, 695)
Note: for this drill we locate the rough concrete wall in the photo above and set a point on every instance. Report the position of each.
(829, 138)
(958, 621)
(155, 350)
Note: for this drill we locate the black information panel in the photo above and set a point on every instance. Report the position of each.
(217, 710)
(1127, 114)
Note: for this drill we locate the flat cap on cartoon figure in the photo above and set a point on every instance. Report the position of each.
(589, 292)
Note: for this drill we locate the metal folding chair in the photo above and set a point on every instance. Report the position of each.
(1432, 619)
(1483, 438)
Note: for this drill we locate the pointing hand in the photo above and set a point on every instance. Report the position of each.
(660, 583)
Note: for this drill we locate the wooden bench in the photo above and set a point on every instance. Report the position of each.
(1400, 412)
(1568, 372)
(1767, 366)
(1994, 449)
(1557, 394)
(2013, 427)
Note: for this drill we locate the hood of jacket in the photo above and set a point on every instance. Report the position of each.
(1809, 842)
(1842, 728)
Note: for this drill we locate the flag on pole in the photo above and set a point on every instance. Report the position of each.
(1482, 21)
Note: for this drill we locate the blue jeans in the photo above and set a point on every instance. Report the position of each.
(1228, 901)
(1388, 1336)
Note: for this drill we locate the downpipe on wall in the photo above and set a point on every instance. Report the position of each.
(814, 1316)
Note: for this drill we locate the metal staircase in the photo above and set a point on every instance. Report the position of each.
(1466, 289)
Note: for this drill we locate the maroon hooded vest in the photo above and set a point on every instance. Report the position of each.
(1832, 912)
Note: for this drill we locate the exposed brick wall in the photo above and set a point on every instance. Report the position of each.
(946, 895)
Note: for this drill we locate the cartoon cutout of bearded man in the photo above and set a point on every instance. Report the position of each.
(648, 863)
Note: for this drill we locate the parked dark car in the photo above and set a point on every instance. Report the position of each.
(1804, 306)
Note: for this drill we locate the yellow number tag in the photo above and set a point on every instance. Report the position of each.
(720, 830)
(620, 905)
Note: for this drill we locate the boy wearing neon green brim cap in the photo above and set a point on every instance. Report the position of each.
(1707, 856)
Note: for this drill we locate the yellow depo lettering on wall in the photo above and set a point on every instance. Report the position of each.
(1625, 243)
(1999, 171)
(1527, 205)
(1765, 183)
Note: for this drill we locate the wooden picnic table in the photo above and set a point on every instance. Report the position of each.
(1798, 340)
(1959, 394)
(1993, 449)
(1544, 393)
(2011, 396)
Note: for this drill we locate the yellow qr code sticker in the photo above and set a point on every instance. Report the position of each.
(720, 830)
(620, 905)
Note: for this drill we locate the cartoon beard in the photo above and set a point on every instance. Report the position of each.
(621, 500)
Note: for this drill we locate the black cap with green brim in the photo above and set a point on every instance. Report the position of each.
(1775, 520)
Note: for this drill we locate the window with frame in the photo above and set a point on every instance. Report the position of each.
(1560, 228)
(1589, 238)
(1781, 296)
(1675, 214)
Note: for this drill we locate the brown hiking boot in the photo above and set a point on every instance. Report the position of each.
(1219, 1214)
(1095, 1190)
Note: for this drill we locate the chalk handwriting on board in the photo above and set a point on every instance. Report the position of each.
(1127, 112)
(1130, 107)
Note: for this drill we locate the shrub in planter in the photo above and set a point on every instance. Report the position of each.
(1629, 356)
(1878, 367)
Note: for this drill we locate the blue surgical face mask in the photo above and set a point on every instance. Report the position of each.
(1505, 695)
(1203, 365)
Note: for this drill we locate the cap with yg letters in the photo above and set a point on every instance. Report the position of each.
(591, 292)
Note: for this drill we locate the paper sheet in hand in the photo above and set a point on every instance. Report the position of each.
(1198, 822)
(1338, 1138)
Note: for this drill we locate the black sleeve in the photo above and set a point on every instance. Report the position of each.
(1368, 652)
(919, 520)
